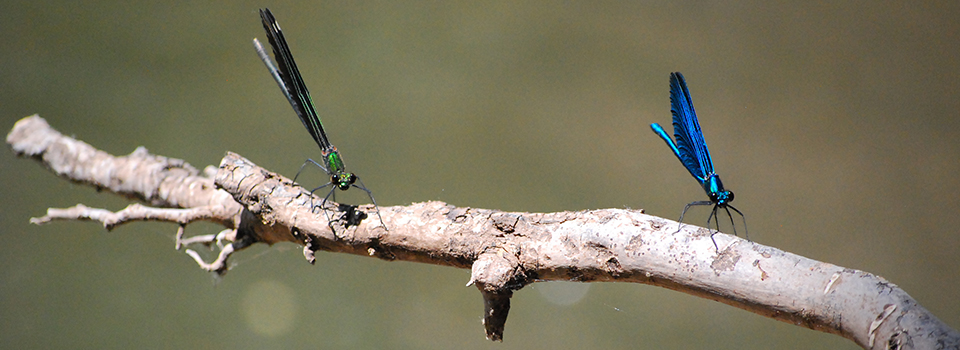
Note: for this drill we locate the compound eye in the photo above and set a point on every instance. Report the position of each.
(353, 178)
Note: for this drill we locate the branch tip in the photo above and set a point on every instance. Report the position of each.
(219, 265)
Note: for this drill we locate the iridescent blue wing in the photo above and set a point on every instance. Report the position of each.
(691, 147)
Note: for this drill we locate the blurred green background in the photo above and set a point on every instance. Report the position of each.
(836, 124)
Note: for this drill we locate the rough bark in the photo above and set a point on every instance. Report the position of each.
(504, 250)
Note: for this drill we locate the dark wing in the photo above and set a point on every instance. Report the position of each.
(686, 130)
(296, 91)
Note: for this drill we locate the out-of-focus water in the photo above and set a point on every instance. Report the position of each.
(837, 126)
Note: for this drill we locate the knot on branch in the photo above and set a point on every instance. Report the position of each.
(497, 273)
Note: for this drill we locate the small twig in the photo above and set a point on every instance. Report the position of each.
(133, 212)
(220, 265)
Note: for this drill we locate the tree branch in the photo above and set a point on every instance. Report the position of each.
(505, 250)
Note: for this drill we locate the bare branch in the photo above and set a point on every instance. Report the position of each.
(504, 250)
(164, 182)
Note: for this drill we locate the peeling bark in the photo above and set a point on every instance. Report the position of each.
(504, 250)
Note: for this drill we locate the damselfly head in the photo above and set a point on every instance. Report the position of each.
(343, 181)
(722, 197)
